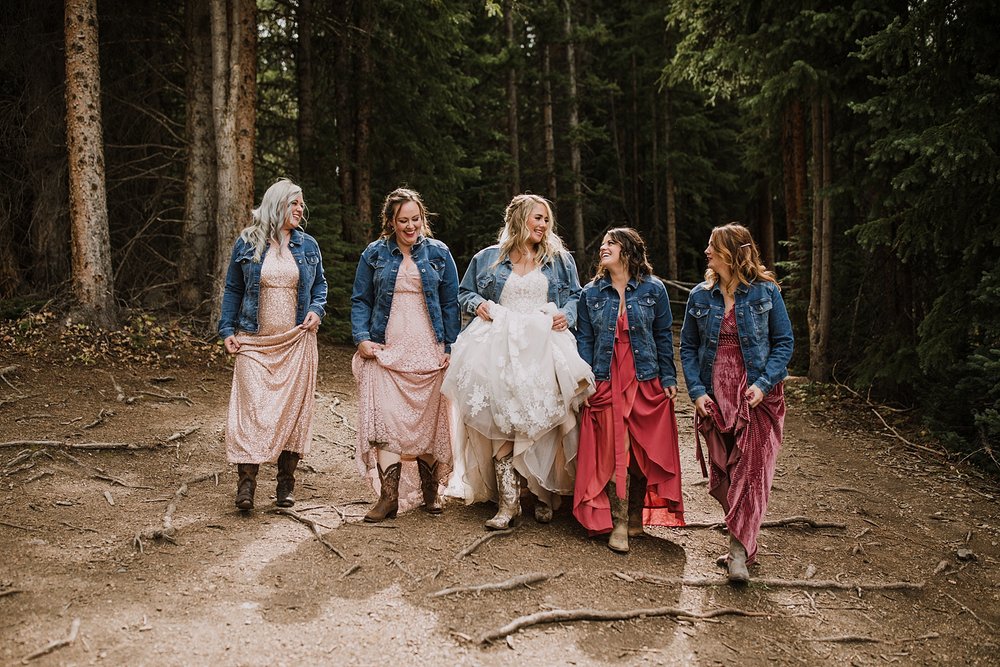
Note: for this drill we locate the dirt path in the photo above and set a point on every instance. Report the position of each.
(262, 590)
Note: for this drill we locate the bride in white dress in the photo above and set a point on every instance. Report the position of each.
(516, 381)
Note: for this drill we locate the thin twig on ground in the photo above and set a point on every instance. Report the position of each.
(3, 376)
(964, 608)
(56, 644)
(182, 434)
(167, 531)
(506, 585)
(101, 416)
(349, 571)
(167, 397)
(79, 445)
(914, 445)
(480, 542)
(115, 480)
(775, 523)
(10, 591)
(564, 615)
(783, 583)
(846, 639)
(313, 526)
(343, 418)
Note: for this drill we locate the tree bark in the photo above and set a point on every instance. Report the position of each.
(634, 133)
(574, 138)
(512, 121)
(344, 116)
(765, 222)
(308, 167)
(92, 278)
(826, 280)
(670, 188)
(819, 313)
(234, 72)
(194, 266)
(363, 187)
(550, 138)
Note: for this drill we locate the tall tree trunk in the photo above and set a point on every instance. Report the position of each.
(794, 167)
(765, 222)
(308, 162)
(826, 280)
(194, 267)
(574, 135)
(634, 133)
(364, 170)
(10, 273)
(616, 145)
(93, 283)
(344, 117)
(512, 122)
(819, 283)
(234, 72)
(672, 269)
(550, 137)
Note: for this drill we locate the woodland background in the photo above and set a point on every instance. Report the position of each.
(858, 140)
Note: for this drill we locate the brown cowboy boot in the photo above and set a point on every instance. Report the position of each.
(388, 500)
(738, 572)
(246, 485)
(618, 539)
(508, 495)
(286, 478)
(429, 487)
(636, 504)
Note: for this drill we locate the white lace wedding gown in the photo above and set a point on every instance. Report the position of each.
(515, 379)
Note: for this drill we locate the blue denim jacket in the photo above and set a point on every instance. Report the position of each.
(647, 307)
(484, 282)
(762, 324)
(241, 299)
(375, 281)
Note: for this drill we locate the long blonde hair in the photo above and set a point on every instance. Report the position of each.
(269, 217)
(391, 205)
(515, 232)
(733, 244)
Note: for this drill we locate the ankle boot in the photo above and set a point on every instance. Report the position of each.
(286, 478)
(636, 505)
(738, 573)
(429, 487)
(618, 540)
(388, 500)
(246, 485)
(508, 495)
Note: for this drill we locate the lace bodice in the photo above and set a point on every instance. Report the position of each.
(524, 294)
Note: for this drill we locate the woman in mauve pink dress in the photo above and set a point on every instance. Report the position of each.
(736, 343)
(404, 318)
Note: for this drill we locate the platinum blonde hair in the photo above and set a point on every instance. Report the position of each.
(515, 232)
(269, 217)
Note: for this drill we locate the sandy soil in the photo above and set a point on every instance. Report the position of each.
(260, 589)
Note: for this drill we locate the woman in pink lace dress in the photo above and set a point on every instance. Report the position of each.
(736, 343)
(271, 309)
(404, 318)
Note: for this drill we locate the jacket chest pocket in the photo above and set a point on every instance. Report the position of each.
(701, 316)
(486, 286)
(596, 311)
(646, 305)
(760, 313)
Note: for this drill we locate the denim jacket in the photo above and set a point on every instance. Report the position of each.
(762, 324)
(647, 307)
(375, 281)
(484, 282)
(241, 299)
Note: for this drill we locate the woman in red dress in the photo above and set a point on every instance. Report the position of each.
(628, 466)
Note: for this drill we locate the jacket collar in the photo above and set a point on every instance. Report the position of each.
(390, 242)
(295, 237)
(741, 289)
(604, 282)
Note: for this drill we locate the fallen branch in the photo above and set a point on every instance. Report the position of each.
(10, 591)
(182, 434)
(846, 639)
(56, 644)
(509, 584)
(14, 525)
(120, 393)
(115, 480)
(79, 445)
(3, 376)
(101, 416)
(343, 418)
(964, 608)
(935, 452)
(349, 571)
(480, 542)
(776, 523)
(782, 583)
(167, 531)
(313, 526)
(166, 397)
(564, 615)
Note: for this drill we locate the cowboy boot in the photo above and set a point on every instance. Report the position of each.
(286, 478)
(388, 500)
(738, 573)
(543, 511)
(429, 487)
(618, 540)
(636, 504)
(508, 495)
(246, 485)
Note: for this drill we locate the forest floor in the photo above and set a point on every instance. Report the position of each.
(230, 588)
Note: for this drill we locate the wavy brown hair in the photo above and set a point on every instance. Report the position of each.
(633, 253)
(733, 244)
(391, 205)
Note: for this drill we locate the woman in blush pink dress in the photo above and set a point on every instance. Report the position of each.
(404, 318)
(271, 309)
(736, 343)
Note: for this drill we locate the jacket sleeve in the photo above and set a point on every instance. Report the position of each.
(362, 300)
(573, 282)
(317, 295)
(448, 296)
(468, 295)
(232, 296)
(663, 336)
(781, 344)
(690, 344)
(585, 331)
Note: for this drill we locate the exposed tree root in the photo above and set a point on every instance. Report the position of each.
(68, 640)
(506, 585)
(166, 532)
(776, 523)
(480, 542)
(564, 615)
(313, 526)
(79, 445)
(781, 583)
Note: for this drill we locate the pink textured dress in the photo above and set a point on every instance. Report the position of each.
(274, 379)
(742, 442)
(627, 418)
(400, 407)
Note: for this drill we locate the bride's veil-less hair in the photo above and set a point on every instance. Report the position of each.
(516, 231)
(275, 207)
